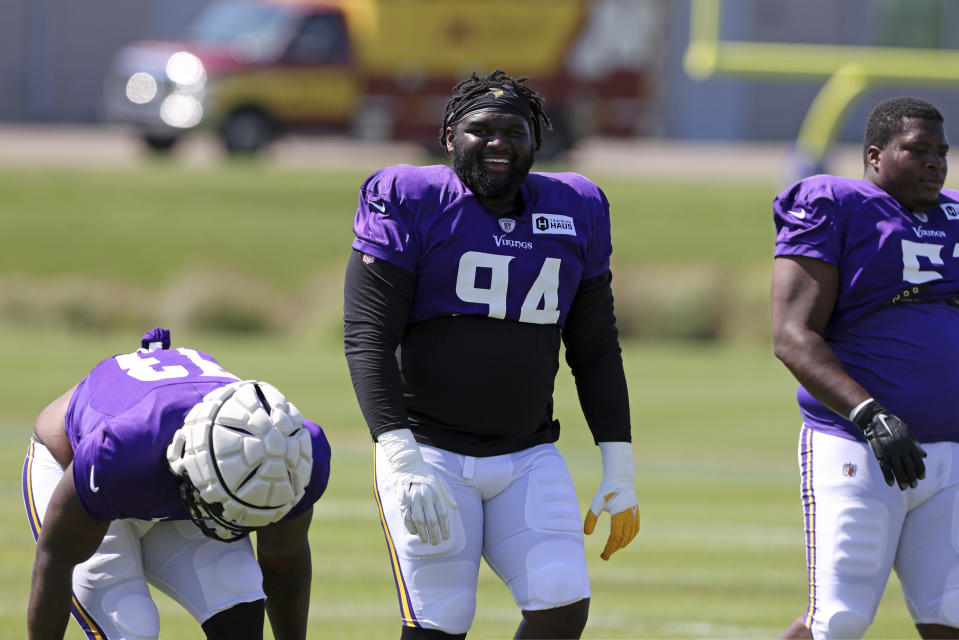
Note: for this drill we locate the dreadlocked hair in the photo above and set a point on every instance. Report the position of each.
(475, 86)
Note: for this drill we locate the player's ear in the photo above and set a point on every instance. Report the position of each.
(449, 139)
(872, 157)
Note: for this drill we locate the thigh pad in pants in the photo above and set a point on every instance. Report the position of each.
(533, 534)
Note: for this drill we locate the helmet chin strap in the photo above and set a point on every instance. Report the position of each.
(200, 512)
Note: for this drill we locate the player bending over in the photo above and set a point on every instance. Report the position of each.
(154, 469)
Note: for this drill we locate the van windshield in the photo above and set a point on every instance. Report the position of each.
(250, 30)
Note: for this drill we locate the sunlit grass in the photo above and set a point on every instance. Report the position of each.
(720, 553)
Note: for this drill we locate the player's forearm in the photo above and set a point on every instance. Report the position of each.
(376, 378)
(69, 536)
(807, 355)
(51, 593)
(283, 553)
(288, 598)
(594, 355)
(604, 399)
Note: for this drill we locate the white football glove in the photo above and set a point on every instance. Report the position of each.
(423, 495)
(617, 495)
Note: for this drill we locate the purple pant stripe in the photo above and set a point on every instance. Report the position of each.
(402, 592)
(809, 516)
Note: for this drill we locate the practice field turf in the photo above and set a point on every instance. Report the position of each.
(720, 552)
(153, 224)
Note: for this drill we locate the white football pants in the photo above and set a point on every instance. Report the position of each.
(519, 511)
(858, 529)
(111, 600)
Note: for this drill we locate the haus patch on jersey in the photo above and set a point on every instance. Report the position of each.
(554, 224)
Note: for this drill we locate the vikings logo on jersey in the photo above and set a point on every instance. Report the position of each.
(470, 261)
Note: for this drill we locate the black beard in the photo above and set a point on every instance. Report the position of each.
(485, 184)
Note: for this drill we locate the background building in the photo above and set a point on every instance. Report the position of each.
(54, 55)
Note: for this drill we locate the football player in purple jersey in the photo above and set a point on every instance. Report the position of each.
(865, 314)
(462, 283)
(154, 469)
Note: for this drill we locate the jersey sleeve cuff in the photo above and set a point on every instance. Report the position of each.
(378, 252)
(803, 251)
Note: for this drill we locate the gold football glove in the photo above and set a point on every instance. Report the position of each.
(617, 495)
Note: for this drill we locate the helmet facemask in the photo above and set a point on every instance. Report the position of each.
(202, 513)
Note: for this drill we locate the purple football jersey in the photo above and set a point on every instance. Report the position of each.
(123, 415)
(890, 261)
(468, 260)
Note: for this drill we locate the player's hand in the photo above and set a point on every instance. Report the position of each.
(891, 440)
(424, 497)
(617, 495)
(424, 500)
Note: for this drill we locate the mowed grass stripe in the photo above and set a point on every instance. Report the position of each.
(149, 224)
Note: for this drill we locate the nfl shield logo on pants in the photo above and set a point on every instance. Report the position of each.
(507, 224)
(849, 470)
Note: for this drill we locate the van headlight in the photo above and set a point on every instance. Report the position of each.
(185, 69)
(181, 110)
(141, 88)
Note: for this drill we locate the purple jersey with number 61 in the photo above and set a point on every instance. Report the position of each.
(121, 418)
(891, 328)
(467, 260)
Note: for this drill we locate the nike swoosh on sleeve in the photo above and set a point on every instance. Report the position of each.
(93, 486)
(801, 213)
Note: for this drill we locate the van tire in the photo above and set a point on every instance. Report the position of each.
(159, 143)
(247, 131)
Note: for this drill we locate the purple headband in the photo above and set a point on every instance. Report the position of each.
(495, 98)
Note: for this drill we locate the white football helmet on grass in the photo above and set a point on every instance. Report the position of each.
(243, 457)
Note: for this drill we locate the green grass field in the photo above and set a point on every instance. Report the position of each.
(720, 553)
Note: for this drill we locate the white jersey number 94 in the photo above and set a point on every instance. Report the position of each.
(541, 305)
